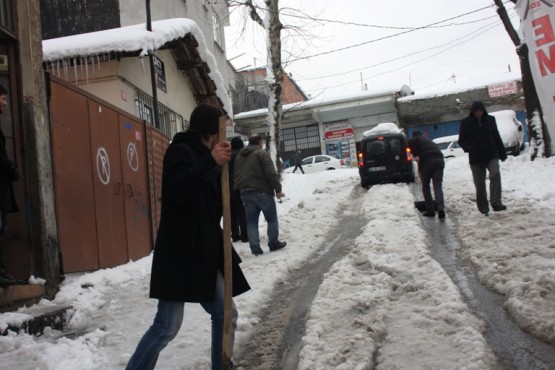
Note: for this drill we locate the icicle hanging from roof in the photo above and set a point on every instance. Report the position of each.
(87, 70)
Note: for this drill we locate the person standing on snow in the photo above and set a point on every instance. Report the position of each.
(298, 162)
(258, 181)
(238, 216)
(479, 137)
(430, 167)
(188, 262)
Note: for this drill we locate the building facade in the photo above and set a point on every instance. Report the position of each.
(183, 77)
(331, 125)
(252, 91)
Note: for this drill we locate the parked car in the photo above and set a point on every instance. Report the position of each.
(318, 163)
(511, 131)
(449, 146)
(384, 156)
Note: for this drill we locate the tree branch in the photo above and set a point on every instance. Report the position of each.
(254, 13)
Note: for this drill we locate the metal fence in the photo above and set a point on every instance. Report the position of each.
(168, 120)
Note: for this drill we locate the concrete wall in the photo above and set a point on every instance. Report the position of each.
(453, 107)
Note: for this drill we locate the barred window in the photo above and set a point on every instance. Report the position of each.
(303, 137)
(168, 120)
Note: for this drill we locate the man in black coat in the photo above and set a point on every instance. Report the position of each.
(8, 174)
(257, 179)
(298, 161)
(238, 216)
(187, 264)
(479, 137)
(430, 167)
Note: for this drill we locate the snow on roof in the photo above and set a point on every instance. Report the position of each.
(471, 84)
(323, 99)
(136, 38)
(383, 128)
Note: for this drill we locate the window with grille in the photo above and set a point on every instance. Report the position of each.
(168, 120)
(303, 137)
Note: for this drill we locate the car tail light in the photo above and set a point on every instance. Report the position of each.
(342, 162)
(409, 154)
(360, 160)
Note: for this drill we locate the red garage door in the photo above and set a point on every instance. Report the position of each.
(103, 181)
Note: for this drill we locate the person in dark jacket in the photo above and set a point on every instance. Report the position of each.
(430, 167)
(479, 137)
(238, 217)
(298, 162)
(8, 174)
(187, 264)
(258, 181)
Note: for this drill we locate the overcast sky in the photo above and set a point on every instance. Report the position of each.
(459, 40)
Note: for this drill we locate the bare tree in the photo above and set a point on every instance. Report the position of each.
(539, 134)
(273, 27)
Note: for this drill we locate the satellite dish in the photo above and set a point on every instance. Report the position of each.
(405, 91)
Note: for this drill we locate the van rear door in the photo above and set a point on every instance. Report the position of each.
(384, 158)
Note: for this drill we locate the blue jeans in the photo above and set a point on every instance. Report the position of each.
(256, 202)
(167, 323)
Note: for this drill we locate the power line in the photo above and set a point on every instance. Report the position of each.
(386, 37)
(323, 20)
(403, 56)
(490, 26)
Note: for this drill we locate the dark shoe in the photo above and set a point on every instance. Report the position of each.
(258, 252)
(4, 283)
(429, 214)
(244, 239)
(235, 239)
(499, 208)
(10, 280)
(485, 212)
(279, 245)
(441, 213)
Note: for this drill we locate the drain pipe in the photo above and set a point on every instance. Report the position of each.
(156, 119)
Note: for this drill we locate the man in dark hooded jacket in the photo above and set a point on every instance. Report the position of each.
(258, 181)
(430, 167)
(187, 265)
(238, 216)
(479, 137)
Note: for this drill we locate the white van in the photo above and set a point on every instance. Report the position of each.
(511, 131)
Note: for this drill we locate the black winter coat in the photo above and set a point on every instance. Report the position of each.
(481, 139)
(424, 149)
(7, 168)
(189, 247)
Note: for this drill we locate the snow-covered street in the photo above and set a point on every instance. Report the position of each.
(388, 304)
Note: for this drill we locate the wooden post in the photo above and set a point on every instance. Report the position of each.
(226, 345)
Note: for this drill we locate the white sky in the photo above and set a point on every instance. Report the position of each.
(472, 46)
(387, 292)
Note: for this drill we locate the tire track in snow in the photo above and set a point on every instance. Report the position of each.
(276, 343)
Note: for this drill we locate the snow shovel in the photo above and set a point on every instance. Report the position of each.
(226, 344)
(421, 205)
